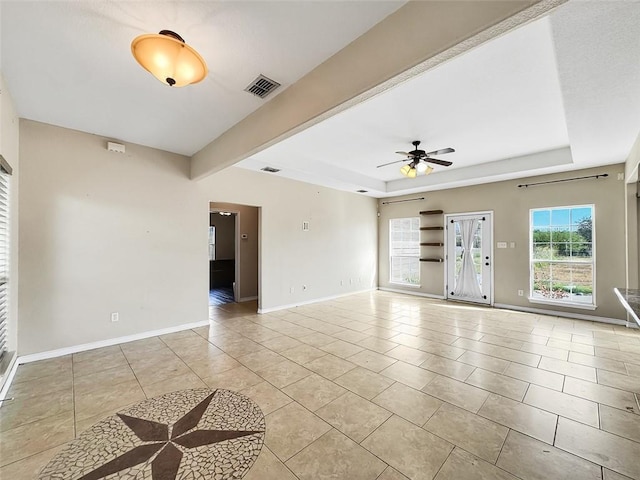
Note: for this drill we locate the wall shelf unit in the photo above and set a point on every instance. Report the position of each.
(438, 243)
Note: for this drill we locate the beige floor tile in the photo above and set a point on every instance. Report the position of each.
(377, 344)
(618, 380)
(303, 354)
(502, 341)
(530, 459)
(619, 422)
(633, 370)
(314, 392)
(411, 450)
(408, 340)
(35, 437)
(268, 467)
(525, 419)
(627, 357)
(211, 366)
(411, 375)
(504, 353)
(601, 394)
(469, 431)
(350, 336)
(291, 428)
(283, 373)
(353, 415)
(569, 369)
(373, 361)
(449, 368)
(97, 354)
(317, 339)
(462, 465)
(96, 401)
(239, 348)
(408, 354)
(486, 362)
(341, 348)
(611, 451)
(330, 366)
(611, 475)
(335, 456)
(381, 332)
(392, 474)
(141, 348)
(460, 394)
(562, 404)
(268, 397)
(597, 362)
(262, 359)
(364, 382)
(150, 375)
(410, 404)
(28, 468)
(496, 383)
(19, 412)
(171, 384)
(545, 351)
(234, 379)
(442, 350)
(281, 343)
(571, 346)
(60, 367)
(199, 352)
(103, 379)
(528, 374)
(40, 386)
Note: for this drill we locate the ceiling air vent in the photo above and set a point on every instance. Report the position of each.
(270, 169)
(262, 86)
(361, 191)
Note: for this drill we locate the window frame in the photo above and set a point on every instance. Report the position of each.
(391, 257)
(565, 303)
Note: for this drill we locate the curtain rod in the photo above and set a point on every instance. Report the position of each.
(400, 201)
(563, 180)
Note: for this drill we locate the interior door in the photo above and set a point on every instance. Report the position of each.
(469, 257)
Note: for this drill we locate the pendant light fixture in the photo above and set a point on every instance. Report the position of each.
(168, 58)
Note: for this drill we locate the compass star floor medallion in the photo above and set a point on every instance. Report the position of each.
(194, 434)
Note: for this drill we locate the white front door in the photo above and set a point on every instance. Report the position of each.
(468, 257)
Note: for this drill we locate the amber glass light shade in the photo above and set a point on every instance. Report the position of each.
(168, 58)
(409, 171)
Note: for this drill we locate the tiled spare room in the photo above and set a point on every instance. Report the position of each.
(373, 386)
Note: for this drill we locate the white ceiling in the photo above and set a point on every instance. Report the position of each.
(70, 64)
(558, 94)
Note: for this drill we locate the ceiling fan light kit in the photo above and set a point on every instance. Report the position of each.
(168, 58)
(418, 161)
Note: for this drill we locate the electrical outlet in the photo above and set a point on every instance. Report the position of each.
(521, 293)
(115, 316)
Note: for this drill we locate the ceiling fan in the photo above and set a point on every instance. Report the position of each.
(417, 160)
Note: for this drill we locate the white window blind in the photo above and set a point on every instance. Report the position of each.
(404, 250)
(5, 171)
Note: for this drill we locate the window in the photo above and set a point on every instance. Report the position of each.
(563, 255)
(212, 243)
(404, 250)
(5, 171)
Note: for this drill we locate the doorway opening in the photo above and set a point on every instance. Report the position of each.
(233, 256)
(469, 257)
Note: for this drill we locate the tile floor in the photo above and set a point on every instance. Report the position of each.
(372, 386)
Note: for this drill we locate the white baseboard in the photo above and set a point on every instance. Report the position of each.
(34, 357)
(247, 299)
(409, 292)
(579, 316)
(309, 302)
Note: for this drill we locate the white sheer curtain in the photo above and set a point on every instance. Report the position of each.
(467, 280)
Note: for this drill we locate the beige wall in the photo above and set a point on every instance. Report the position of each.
(225, 236)
(9, 149)
(103, 232)
(247, 281)
(340, 245)
(511, 205)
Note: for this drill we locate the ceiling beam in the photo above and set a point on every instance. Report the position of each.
(415, 38)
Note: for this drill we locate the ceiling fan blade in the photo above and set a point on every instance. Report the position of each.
(441, 152)
(391, 163)
(444, 163)
(405, 153)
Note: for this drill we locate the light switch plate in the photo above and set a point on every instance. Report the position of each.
(501, 244)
